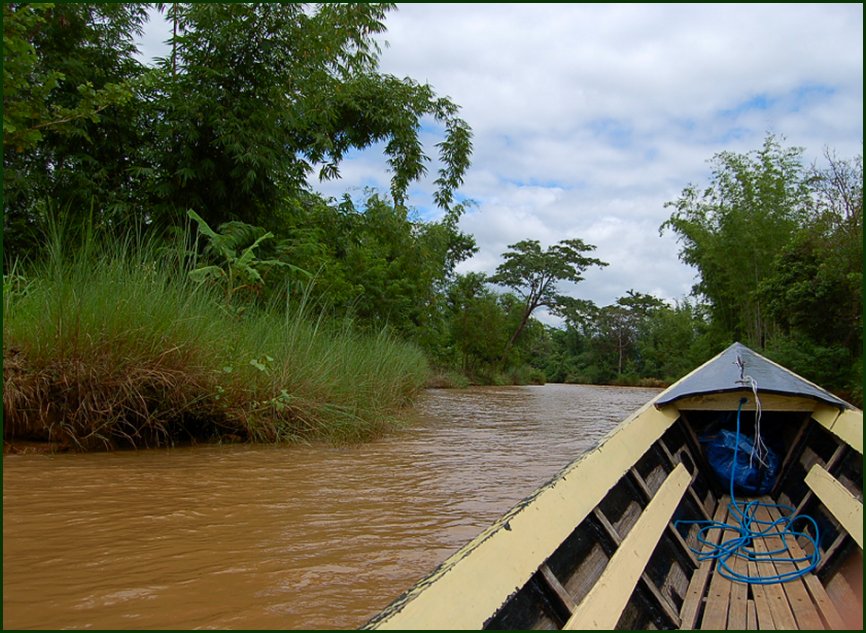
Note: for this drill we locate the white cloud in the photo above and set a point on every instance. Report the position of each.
(588, 118)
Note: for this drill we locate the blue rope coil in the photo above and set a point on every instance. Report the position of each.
(747, 528)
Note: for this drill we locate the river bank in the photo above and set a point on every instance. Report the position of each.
(117, 347)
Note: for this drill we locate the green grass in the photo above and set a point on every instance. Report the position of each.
(116, 346)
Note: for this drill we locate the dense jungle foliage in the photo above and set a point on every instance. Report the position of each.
(207, 158)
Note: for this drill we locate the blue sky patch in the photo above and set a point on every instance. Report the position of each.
(809, 94)
(616, 133)
(544, 184)
(792, 101)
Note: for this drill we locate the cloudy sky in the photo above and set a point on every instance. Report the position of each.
(588, 118)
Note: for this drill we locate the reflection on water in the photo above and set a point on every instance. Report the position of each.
(264, 537)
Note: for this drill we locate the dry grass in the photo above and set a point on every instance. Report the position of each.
(97, 402)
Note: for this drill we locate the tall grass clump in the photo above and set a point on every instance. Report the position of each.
(309, 376)
(111, 344)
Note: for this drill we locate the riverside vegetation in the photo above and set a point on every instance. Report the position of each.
(171, 275)
(117, 345)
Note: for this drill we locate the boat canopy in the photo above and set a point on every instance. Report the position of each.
(731, 370)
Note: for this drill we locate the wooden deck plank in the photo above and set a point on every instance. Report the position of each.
(847, 509)
(739, 597)
(801, 603)
(690, 610)
(802, 608)
(762, 602)
(751, 616)
(602, 607)
(674, 533)
(783, 617)
(661, 600)
(826, 609)
(718, 598)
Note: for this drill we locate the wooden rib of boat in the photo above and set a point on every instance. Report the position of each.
(613, 540)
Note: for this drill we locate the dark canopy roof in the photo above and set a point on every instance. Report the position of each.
(729, 371)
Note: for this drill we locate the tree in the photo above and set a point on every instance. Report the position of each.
(672, 342)
(613, 332)
(626, 320)
(374, 261)
(779, 249)
(815, 288)
(70, 126)
(478, 323)
(732, 231)
(258, 96)
(534, 273)
(52, 55)
(638, 337)
(253, 99)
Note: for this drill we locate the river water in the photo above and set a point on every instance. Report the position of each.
(308, 537)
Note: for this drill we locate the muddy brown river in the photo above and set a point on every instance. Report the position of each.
(307, 537)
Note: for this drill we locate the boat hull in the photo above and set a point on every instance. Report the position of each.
(613, 540)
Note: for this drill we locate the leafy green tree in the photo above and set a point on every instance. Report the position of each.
(49, 73)
(577, 313)
(561, 362)
(673, 341)
(534, 273)
(732, 231)
(478, 323)
(571, 360)
(258, 96)
(779, 249)
(376, 262)
(70, 122)
(253, 99)
(815, 289)
(637, 337)
(623, 323)
(613, 333)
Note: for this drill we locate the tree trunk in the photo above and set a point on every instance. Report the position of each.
(526, 314)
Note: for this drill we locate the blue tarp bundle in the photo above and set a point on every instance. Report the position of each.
(754, 479)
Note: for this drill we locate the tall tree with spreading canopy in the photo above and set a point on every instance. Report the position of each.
(259, 96)
(534, 273)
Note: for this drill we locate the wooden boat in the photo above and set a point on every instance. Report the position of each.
(629, 535)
